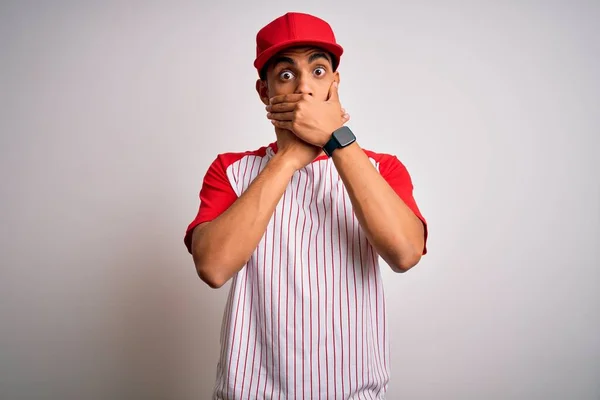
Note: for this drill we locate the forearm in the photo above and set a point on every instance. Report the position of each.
(392, 228)
(224, 245)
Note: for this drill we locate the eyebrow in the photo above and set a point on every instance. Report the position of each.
(288, 60)
(283, 60)
(316, 56)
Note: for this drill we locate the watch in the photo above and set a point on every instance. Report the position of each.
(340, 138)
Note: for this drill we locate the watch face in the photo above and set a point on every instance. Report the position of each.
(344, 136)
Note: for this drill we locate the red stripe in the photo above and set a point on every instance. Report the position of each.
(370, 345)
(257, 291)
(308, 252)
(287, 302)
(377, 353)
(279, 300)
(248, 270)
(376, 359)
(339, 265)
(362, 327)
(384, 329)
(271, 300)
(232, 346)
(332, 286)
(367, 329)
(301, 284)
(355, 306)
(264, 331)
(256, 331)
(316, 200)
(225, 335)
(349, 246)
(326, 300)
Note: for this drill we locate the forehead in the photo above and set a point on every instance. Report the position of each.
(298, 53)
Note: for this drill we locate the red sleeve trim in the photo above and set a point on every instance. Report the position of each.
(217, 193)
(398, 177)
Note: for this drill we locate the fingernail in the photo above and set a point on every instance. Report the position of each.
(269, 115)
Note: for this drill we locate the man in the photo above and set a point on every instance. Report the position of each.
(298, 226)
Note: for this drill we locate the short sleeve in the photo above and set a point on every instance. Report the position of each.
(216, 196)
(397, 176)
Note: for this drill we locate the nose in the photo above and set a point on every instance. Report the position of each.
(304, 85)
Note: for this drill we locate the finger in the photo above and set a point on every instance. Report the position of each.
(346, 117)
(282, 124)
(281, 107)
(281, 116)
(286, 98)
(333, 92)
(343, 111)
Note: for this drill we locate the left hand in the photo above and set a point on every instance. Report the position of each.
(311, 120)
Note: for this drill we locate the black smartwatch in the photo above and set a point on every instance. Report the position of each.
(340, 138)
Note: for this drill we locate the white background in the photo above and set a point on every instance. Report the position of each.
(110, 114)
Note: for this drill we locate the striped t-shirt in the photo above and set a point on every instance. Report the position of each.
(306, 316)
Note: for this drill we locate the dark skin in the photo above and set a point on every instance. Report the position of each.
(300, 92)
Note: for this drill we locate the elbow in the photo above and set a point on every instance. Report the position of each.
(215, 272)
(207, 272)
(403, 261)
(211, 277)
(205, 262)
(404, 264)
(405, 255)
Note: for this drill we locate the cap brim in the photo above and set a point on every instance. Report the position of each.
(266, 55)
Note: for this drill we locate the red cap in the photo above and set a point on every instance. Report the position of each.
(294, 29)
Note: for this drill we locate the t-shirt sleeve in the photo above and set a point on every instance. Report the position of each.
(216, 196)
(397, 176)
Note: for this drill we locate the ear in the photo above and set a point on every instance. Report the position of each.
(336, 77)
(263, 91)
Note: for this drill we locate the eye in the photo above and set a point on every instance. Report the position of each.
(319, 71)
(286, 75)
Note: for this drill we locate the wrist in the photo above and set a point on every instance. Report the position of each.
(349, 151)
(283, 163)
(326, 136)
(340, 138)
